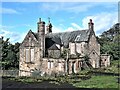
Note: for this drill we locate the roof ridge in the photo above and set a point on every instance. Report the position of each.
(69, 31)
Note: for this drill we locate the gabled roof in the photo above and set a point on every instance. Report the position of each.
(31, 35)
(83, 36)
(54, 47)
(66, 37)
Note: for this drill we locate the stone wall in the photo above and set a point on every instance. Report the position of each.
(49, 66)
(105, 60)
(80, 48)
(94, 51)
(54, 53)
(31, 64)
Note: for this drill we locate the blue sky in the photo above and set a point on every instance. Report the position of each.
(19, 17)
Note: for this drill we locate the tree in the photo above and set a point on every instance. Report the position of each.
(109, 41)
(9, 54)
(4, 46)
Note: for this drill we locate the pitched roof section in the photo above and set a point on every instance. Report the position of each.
(54, 47)
(83, 36)
(30, 35)
(66, 37)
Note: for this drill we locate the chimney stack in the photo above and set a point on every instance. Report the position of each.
(41, 36)
(49, 27)
(91, 25)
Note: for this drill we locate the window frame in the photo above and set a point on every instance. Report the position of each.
(29, 51)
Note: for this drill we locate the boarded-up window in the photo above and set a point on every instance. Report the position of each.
(78, 47)
(60, 66)
(32, 55)
(72, 48)
(50, 64)
(27, 55)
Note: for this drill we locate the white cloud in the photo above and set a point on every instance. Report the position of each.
(76, 26)
(7, 32)
(22, 36)
(73, 27)
(56, 29)
(69, 7)
(75, 7)
(69, 29)
(102, 21)
(14, 36)
(8, 11)
(4, 32)
(78, 8)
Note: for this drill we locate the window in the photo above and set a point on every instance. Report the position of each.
(60, 66)
(29, 41)
(50, 64)
(72, 48)
(32, 55)
(29, 55)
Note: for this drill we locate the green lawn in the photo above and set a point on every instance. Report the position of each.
(98, 82)
(101, 81)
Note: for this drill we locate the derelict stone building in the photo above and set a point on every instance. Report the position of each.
(59, 53)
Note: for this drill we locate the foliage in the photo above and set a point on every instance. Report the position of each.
(114, 67)
(10, 54)
(64, 53)
(84, 72)
(86, 58)
(109, 41)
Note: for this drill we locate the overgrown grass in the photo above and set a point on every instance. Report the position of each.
(114, 67)
(98, 82)
(25, 79)
(84, 79)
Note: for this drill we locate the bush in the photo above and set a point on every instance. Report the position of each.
(36, 73)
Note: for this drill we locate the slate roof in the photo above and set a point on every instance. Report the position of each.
(83, 36)
(65, 37)
(54, 47)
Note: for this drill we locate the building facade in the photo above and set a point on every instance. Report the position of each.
(59, 53)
